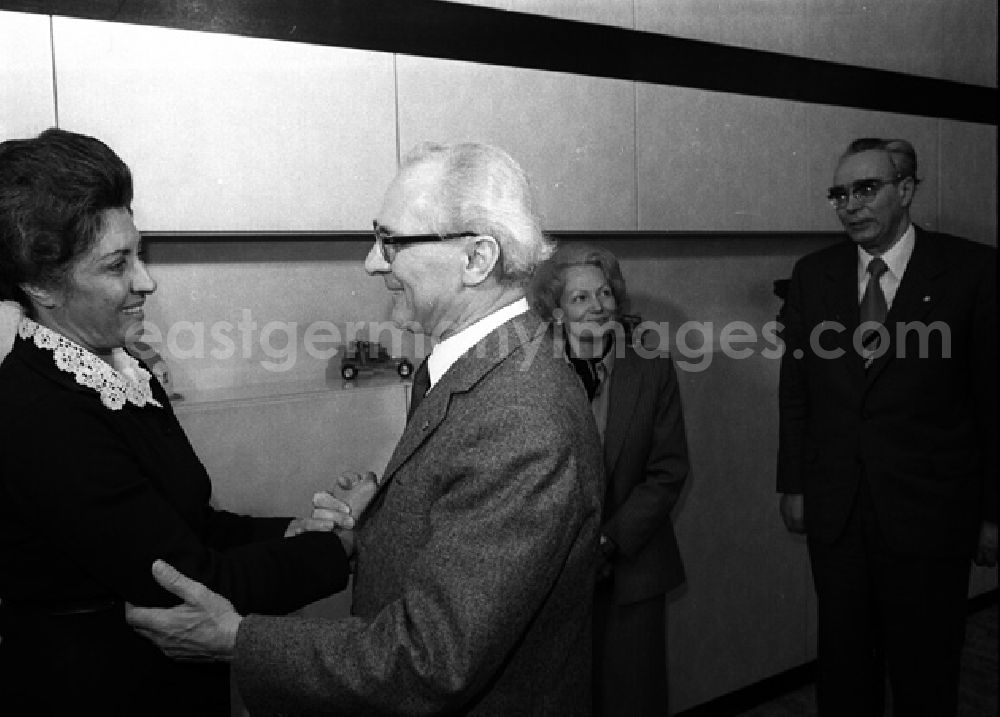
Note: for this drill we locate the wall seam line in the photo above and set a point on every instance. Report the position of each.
(52, 60)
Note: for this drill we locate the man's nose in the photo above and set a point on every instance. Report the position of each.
(853, 203)
(375, 263)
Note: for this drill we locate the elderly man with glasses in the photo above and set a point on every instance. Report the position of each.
(475, 559)
(887, 452)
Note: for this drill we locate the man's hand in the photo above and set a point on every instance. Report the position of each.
(355, 490)
(986, 554)
(340, 507)
(793, 512)
(328, 514)
(202, 629)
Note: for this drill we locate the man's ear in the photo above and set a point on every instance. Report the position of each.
(907, 190)
(483, 255)
(42, 296)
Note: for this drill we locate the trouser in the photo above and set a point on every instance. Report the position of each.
(630, 656)
(879, 611)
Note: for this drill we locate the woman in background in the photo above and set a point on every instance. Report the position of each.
(637, 407)
(97, 479)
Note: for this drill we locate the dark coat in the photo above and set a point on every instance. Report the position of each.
(89, 498)
(646, 461)
(475, 562)
(920, 423)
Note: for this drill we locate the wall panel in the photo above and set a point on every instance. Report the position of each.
(912, 36)
(717, 162)
(229, 133)
(574, 135)
(27, 103)
(967, 181)
(213, 291)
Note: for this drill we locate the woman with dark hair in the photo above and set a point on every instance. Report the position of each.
(97, 479)
(637, 407)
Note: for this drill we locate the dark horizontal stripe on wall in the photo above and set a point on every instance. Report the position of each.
(366, 236)
(460, 32)
(193, 246)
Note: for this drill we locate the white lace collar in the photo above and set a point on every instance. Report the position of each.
(126, 381)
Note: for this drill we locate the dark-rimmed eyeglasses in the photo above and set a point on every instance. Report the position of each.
(864, 190)
(384, 239)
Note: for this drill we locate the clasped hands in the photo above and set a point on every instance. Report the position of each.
(203, 627)
(337, 509)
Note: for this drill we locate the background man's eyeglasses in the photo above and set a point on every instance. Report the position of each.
(864, 190)
(384, 239)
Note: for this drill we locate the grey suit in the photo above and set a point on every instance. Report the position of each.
(475, 559)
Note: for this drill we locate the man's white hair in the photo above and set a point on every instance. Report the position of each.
(482, 189)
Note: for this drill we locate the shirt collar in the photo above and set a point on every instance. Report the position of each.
(451, 349)
(607, 360)
(896, 257)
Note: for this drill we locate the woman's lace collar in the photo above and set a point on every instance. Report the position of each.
(126, 381)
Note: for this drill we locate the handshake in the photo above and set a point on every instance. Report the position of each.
(338, 508)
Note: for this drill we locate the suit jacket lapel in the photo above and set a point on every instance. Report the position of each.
(914, 297)
(624, 393)
(463, 375)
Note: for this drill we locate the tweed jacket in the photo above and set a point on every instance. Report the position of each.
(646, 461)
(919, 425)
(475, 560)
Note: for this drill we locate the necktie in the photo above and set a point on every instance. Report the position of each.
(873, 308)
(421, 384)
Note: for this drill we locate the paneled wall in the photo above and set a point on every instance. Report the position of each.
(229, 133)
(27, 101)
(239, 134)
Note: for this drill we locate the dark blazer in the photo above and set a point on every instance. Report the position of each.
(922, 430)
(646, 461)
(89, 498)
(475, 559)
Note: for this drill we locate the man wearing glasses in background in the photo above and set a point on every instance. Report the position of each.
(475, 559)
(887, 451)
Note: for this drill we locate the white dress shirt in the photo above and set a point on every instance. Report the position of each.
(896, 259)
(454, 347)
